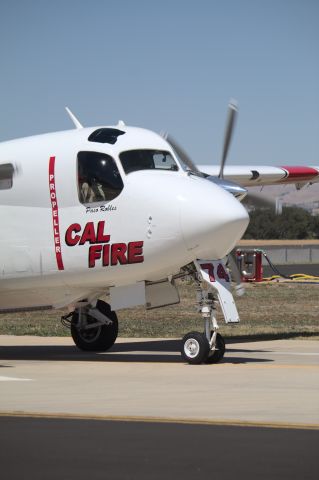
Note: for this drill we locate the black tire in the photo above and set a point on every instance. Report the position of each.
(97, 339)
(216, 355)
(195, 348)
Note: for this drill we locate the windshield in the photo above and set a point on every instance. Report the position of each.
(134, 160)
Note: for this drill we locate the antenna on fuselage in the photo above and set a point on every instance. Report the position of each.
(76, 122)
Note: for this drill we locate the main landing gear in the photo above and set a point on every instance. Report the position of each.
(93, 329)
(209, 346)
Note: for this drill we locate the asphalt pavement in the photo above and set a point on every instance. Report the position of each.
(45, 449)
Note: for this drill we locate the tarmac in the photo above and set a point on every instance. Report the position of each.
(260, 383)
(139, 412)
(51, 449)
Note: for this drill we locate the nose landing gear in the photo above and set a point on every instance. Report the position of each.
(209, 347)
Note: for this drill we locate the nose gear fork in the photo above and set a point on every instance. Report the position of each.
(215, 327)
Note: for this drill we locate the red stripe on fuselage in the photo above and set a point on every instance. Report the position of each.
(55, 214)
(299, 174)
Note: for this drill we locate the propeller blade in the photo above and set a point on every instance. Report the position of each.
(182, 155)
(240, 289)
(232, 112)
(259, 200)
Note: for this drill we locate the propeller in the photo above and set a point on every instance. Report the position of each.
(241, 193)
(250, 198)
(259, 200)
(232, 113)
(232, 262)
(231, 117)
(182, 154)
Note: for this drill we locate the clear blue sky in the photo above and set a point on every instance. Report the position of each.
(167, 65)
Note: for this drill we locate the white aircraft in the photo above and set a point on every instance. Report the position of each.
(121, 211)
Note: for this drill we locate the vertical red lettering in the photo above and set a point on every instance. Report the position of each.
(55, 213)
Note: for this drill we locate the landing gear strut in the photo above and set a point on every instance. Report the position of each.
(94, 329)
(209, 347)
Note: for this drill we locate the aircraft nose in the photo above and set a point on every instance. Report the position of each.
(212, 220)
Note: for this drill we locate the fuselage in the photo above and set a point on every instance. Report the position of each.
(67, 232)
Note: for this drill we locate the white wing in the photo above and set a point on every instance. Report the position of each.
(252, 176)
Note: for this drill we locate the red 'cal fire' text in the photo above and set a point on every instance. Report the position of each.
(100, 246)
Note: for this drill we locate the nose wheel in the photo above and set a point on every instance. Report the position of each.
(196, 348)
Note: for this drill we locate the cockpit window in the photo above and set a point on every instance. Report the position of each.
(134, 160)
(98, 178)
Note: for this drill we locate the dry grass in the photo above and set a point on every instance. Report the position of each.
(267, 310)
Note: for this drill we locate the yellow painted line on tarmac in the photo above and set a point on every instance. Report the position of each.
(182, 421)
(217, 365)
(243, 364)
